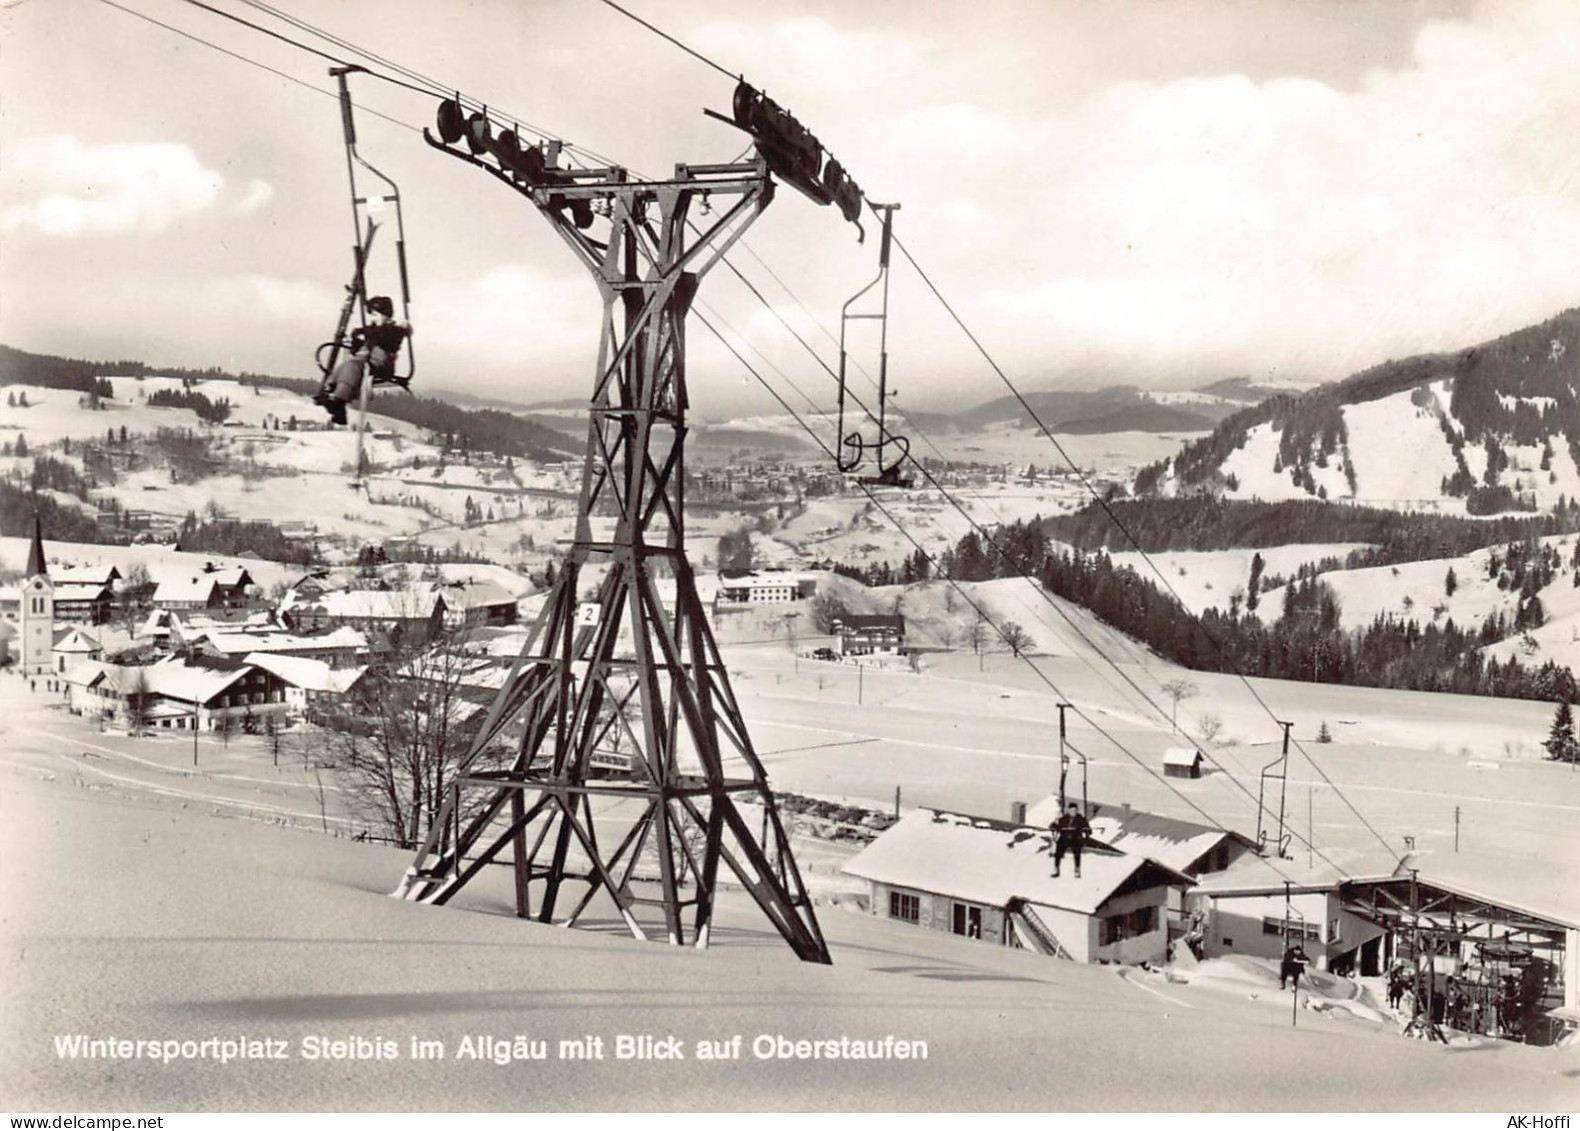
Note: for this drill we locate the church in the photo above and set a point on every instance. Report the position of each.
(37, 612)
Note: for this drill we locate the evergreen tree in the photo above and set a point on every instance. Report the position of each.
(1450, 583)
(1560, 744)
(1253, 590)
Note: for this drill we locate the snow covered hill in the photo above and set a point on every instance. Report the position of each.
(1490, 429)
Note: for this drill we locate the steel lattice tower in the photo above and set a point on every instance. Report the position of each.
(619, 719)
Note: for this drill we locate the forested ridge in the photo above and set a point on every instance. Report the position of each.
(1520, 389)
(1306, 641)
(480, 430)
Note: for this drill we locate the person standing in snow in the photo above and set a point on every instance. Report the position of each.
(1398, 982)
(1069, 835)
(1293, 965)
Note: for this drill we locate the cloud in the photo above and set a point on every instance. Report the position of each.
(60, 187)
(1221, 221)
(808, 54)
(512, 315)
(257, 195)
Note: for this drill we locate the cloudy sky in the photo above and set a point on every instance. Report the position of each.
(1161, 193)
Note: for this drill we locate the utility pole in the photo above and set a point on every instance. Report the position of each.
(896, 803)
(859, 669)
(1456, 828)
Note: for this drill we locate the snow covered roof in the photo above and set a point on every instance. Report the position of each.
(1259, 875)
(233, 576)
(88, 574)
(477, 594)
(1545, 889)
(185, 589)
(995, 862)
(82, 591)
(307, 673)
(76, 640)
(242, 643)
(193, 683)
(416, 602)
(1169, 840)
(871, 620)
(1181, 756)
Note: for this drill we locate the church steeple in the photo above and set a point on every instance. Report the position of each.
(35, 552)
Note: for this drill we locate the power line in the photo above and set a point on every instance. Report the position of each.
(1109, 511)
(249, 61)
(695, 54)
(1213, 821)
(434, 87)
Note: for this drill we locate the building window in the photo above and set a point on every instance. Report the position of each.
(967, 921)
(1333, 930)
(905, 906)
(1295, 928)
(1129, 925)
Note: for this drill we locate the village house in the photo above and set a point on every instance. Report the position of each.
(869, 635)
(73, 645)
(175, 694)
(992, 880)
(1257, 906)
(85, 594)
(211, 589)
(1188, 847)
(339, 648)
(749, 587)
(408, 616)
(478, 604)
(308, 683)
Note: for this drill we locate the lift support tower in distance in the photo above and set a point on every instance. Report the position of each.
(614, 760)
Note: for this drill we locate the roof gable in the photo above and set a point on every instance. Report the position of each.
(995, 862)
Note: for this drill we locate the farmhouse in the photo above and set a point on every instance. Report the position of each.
(412, 615)
(478, 604)
(339, 648)
(307, 683)
(869, 635)
(991, 880)
(212, 589)
(83, 602)
(175, 694)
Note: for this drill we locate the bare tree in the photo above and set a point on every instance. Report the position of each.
(1015, 638)
(1177, 689)
(1209, 727)
(826, 609)
(397, 743)
(977, 634)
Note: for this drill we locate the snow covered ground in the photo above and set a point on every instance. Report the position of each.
(145, 901)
